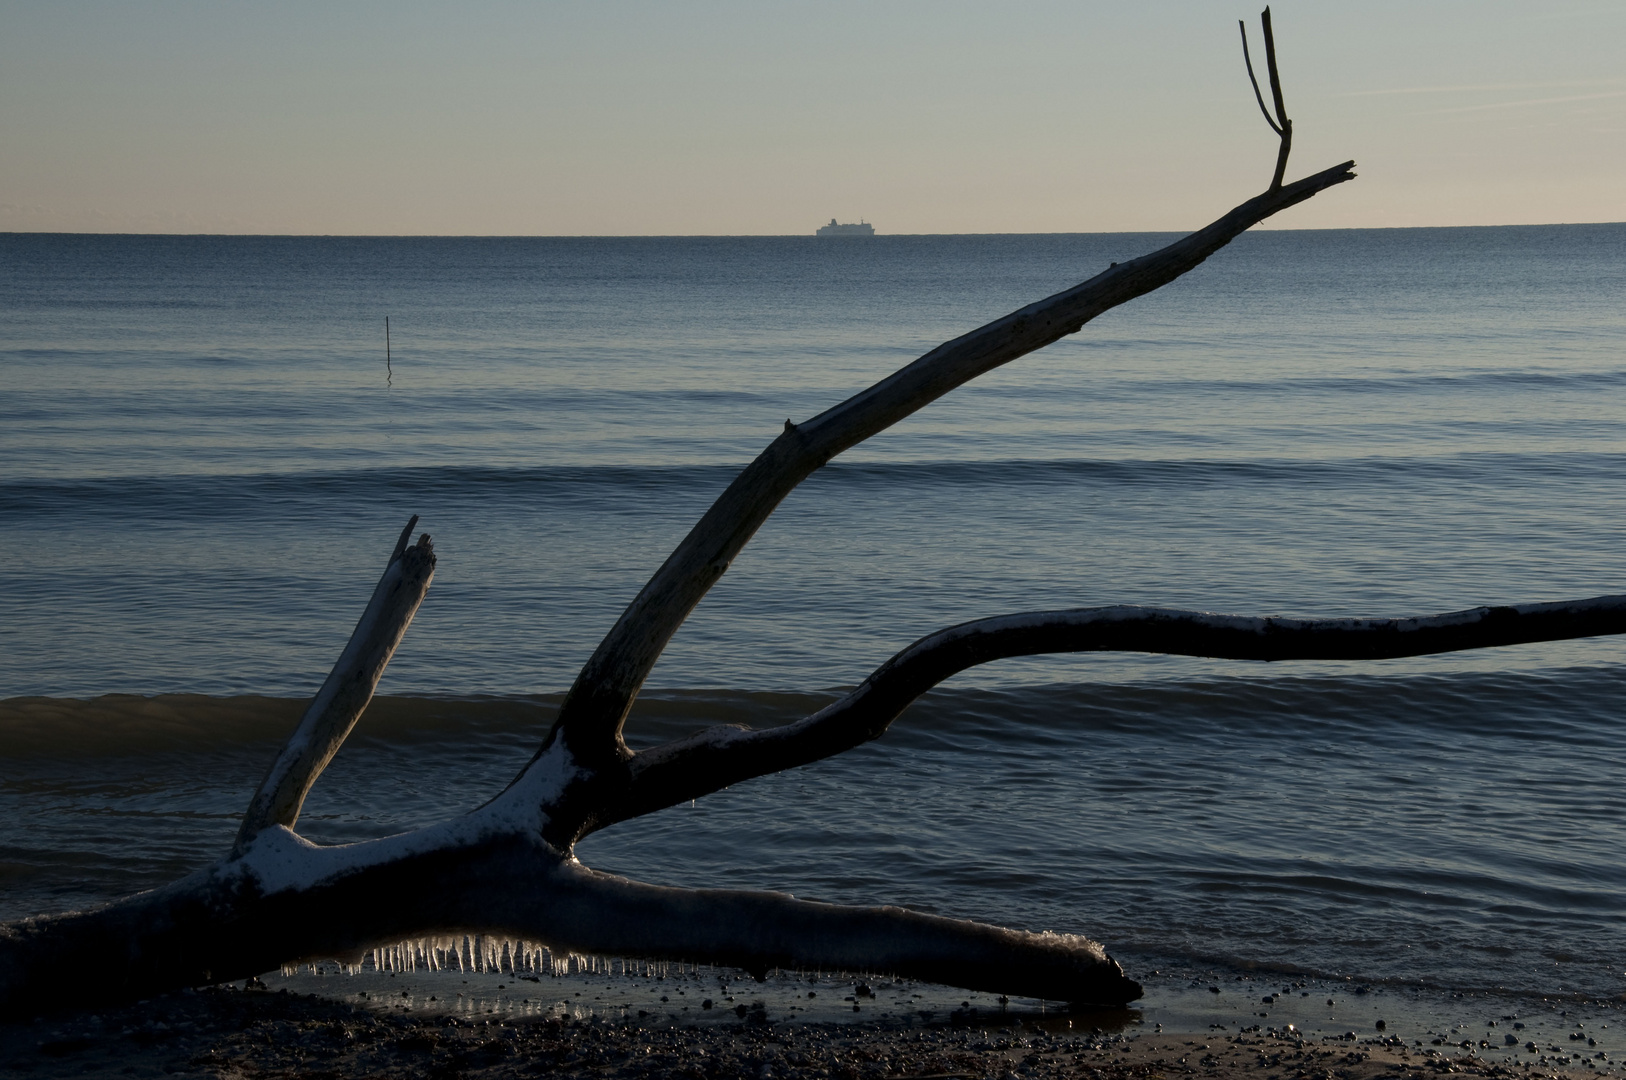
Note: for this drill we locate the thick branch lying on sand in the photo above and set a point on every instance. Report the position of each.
(217, 925)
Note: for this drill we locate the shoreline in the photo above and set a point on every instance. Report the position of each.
(440, 1024)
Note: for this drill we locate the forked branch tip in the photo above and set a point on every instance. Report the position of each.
(1280, 124)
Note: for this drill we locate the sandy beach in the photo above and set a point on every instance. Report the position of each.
(1192, 1023)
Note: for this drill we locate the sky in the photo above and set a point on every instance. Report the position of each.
(629, 117)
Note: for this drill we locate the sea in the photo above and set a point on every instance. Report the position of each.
(208, 447)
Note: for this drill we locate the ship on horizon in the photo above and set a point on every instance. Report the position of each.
(833, 229)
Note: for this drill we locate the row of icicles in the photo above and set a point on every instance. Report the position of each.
(481, 952)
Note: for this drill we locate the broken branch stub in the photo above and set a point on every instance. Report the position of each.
(349, 687)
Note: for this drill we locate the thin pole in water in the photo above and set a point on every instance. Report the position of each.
(389, 369)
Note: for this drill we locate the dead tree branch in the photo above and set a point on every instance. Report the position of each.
(711, 760)
(591, 718)
(349, 687)
(1280, 124)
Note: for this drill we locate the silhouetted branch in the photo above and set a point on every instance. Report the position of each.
(1280, 124)
(595, 709)
(714, 759)
(1248, 60)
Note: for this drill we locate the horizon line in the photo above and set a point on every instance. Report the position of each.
(765, 236)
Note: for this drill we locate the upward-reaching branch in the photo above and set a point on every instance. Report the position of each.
(1280, 124)
(339, 703)
(593, 712)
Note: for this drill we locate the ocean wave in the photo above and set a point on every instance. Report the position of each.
(231, 493)
(1566, 707)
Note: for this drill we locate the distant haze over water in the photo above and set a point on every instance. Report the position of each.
(204, 459)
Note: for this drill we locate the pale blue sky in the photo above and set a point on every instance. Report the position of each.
(730, 118)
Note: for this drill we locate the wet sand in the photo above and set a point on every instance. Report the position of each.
(439, 1025)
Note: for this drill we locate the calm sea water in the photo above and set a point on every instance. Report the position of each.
(204, 458)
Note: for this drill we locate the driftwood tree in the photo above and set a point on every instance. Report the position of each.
(507, 867)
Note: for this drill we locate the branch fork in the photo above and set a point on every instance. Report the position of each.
(1280, 124)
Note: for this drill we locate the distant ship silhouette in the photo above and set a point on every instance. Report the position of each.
(833, 229)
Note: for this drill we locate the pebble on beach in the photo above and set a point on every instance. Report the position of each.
(225, 1032)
